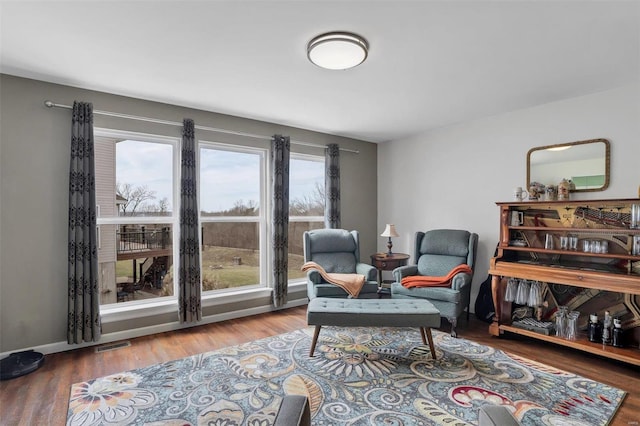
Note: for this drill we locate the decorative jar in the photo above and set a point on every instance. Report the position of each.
(563, 190)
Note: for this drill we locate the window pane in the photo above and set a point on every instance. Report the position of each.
(144, 178)
(306, 187)
(230, 255)
(135, 262)
(306, 207)
(134, 178)
(230, 183)
(296, 247)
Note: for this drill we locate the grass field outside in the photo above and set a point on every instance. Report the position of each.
(222, 268)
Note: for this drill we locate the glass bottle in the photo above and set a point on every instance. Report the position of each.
(606, 329)
(618, 333)
(595, 328)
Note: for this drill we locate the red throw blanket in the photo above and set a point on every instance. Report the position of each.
(427, 281)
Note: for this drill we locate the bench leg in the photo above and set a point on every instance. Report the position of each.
(423, 335)
(426, 332)
(316, 333)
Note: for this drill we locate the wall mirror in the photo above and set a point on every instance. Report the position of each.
(586, 163)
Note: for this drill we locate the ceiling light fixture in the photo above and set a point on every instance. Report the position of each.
(337, 50)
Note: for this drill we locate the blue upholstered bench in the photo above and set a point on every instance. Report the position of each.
(373, 313)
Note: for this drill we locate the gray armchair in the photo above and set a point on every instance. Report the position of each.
(437, 252)
(294, 411)
(337, 251)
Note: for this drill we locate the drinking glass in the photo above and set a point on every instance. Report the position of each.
(561, 321)
(636, 245)
(604, 247)
(522, 297)
(586, 246)
(635, 216)
(564, 243)
(573, 242)
(572, 325)
(535, 294)
(512, 289)
(548, 242)
(596, 246)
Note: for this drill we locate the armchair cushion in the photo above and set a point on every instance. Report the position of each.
(336, 262)
(445, 242)
(432, 293)
(441, 250)
(369, 272)
(438, 265)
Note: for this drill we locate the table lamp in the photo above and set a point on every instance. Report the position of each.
(389, 231)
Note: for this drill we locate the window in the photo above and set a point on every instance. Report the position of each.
(588, 182)
(306, 206)
(137, 187)
(233, 221)
(135, 194)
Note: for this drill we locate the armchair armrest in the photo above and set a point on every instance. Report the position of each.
(496, 415)
(370, 272)
(294, 411)
(314, 277)
(460, 281)
(404, 271)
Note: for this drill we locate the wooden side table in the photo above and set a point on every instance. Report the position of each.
(385, 262)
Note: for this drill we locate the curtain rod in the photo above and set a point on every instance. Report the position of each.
(50, 104)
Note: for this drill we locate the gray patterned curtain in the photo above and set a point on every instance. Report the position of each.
(83, 322)
(280, 151)
(190, 309)
(332, 186)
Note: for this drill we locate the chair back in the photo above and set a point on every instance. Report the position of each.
(336, 250)
(438, 251)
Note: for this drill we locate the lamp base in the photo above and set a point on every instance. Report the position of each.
(389, 245)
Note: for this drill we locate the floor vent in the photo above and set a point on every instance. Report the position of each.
(113, 346)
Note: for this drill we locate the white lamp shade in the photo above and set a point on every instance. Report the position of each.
(337, 50)
(389, 231)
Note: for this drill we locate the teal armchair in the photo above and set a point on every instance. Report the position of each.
(436, 253)
(337, 251)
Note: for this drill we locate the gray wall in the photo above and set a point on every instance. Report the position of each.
(462, 170)
(33, 199)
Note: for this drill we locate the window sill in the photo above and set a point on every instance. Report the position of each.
(123, 313)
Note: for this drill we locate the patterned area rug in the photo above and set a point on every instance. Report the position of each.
(358, 376)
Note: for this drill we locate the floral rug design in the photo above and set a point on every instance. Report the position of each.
(358, 376)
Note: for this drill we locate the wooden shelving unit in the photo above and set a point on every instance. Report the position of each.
(615, 271)
(582, 343)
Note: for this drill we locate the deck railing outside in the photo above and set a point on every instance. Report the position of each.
(140, 238)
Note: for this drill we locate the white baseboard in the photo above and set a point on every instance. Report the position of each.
(160, 328)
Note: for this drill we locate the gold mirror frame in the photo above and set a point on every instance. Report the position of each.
(606, 160)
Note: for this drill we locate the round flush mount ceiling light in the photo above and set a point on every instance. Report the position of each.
(337, 50)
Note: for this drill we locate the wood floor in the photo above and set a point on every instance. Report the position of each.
(41, 397)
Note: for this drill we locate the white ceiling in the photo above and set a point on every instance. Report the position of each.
(431, 63)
